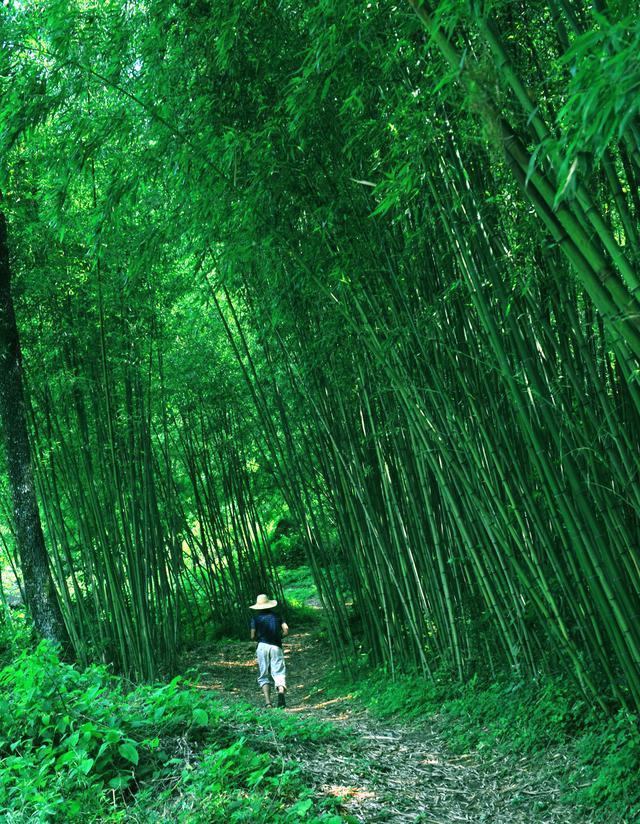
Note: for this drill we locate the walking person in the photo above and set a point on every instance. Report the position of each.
(268, 629)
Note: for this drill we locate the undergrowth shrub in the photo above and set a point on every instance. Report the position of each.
(288, 551)
(87, 746)
(406, 696)
(526, 716)
(607, 768)
(66, 735)
(14, 633)
(237, 784)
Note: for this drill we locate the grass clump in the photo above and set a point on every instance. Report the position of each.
(87, 746)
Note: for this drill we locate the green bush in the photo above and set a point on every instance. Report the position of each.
(607, 768)
(237, 784)
(14, 633)
(524, 716)
(85, 745)
(67, 735)
(288, 551)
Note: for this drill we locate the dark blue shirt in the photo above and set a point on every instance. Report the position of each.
(268, 627)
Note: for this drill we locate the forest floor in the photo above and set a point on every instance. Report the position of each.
(390, 771)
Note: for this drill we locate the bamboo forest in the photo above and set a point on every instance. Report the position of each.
(320, 411)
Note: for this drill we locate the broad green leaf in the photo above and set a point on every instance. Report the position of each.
(128, 750)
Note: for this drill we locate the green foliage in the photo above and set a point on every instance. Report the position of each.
(607, 768)
(298, 585)
(602, 97)
(476, 715)
(239, 785)
(279, 726)
(83, 745)
(234, 784)
(286, 545)
(274, 257)
(525, 716)
(405, 696)
(288, 551)
(14, 634)
(67, 735)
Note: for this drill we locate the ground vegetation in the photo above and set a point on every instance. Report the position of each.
(353, 286)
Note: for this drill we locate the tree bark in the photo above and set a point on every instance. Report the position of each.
(40, 594)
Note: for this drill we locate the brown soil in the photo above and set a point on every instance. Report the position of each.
(390, 771)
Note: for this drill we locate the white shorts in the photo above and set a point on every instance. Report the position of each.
(271, 665)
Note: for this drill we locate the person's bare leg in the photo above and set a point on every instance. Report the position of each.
(281, 698)
(266, 691)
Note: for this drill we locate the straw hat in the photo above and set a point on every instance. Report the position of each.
(262, 602)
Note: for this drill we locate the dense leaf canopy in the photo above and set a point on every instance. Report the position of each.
(374, 265)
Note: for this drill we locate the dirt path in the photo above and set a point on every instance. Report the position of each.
(390, 772)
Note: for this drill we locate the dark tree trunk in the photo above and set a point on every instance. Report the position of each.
(39, 591)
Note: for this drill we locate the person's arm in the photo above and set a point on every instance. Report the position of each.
(253, 629)
(284, 628)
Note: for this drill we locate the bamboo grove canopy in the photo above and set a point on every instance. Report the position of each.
(374, 264)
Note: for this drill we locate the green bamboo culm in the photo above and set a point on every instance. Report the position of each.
(388, 286)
